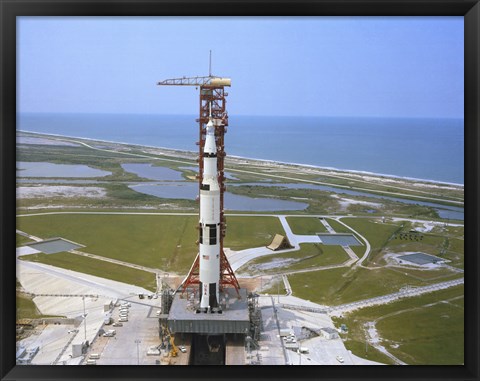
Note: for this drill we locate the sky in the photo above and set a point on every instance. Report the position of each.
(295, 66)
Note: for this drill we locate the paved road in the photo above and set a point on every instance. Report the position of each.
(288, 288)
(32, 237)
(288, 232)
(367, 244)
(384, 299)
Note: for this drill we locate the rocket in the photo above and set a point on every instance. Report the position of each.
(209, 225)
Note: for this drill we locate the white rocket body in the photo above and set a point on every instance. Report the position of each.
(209, 225)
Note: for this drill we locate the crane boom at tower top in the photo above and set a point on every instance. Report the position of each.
(196, 81)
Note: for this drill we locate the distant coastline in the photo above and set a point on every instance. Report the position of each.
(413, 148)
(341, 170)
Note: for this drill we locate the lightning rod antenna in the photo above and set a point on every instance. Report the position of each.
(210, 65)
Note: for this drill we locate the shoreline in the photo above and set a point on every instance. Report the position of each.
(350, 171)
(274, 162)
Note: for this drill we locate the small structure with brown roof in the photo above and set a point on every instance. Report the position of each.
(279, 242)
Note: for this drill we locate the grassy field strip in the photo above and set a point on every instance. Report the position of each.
(389, 186)
(305, 225)
(131, 154)
(111, 213)
(122, 263)
(277, 176)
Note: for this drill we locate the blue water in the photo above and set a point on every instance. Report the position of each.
(430, 149)
(44, 169)
(189, 190)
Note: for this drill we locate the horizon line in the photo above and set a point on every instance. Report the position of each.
(249, 115)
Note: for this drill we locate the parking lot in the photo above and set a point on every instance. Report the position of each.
(132, 340)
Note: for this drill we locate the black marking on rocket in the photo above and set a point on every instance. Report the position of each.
(212, 298)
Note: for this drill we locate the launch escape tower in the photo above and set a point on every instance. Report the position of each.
(213, 122)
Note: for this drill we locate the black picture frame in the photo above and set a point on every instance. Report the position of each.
(10, 9)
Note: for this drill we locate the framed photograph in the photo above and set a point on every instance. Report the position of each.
(238, 190)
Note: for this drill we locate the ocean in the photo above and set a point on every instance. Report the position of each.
(419, 148)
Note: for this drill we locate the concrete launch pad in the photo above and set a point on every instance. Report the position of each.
(421, 258)
(234, 318)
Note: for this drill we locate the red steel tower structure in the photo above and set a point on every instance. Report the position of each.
(212, 108)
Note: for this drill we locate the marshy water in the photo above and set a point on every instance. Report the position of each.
(170, 183)
(169, 186)
(44, 169)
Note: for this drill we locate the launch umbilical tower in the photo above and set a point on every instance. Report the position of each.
(210, 271)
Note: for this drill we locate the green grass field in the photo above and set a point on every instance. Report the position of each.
(97, 267)
(317, 286)
(166, 242)
(338, 227)
(423, 330)
(156, 241)
(21, 240)
(306, 225)
(251, 231)
(378, 234)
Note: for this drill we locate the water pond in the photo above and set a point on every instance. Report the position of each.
(44, 169)
(444, 211)
(189, 190)
(58, 181)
